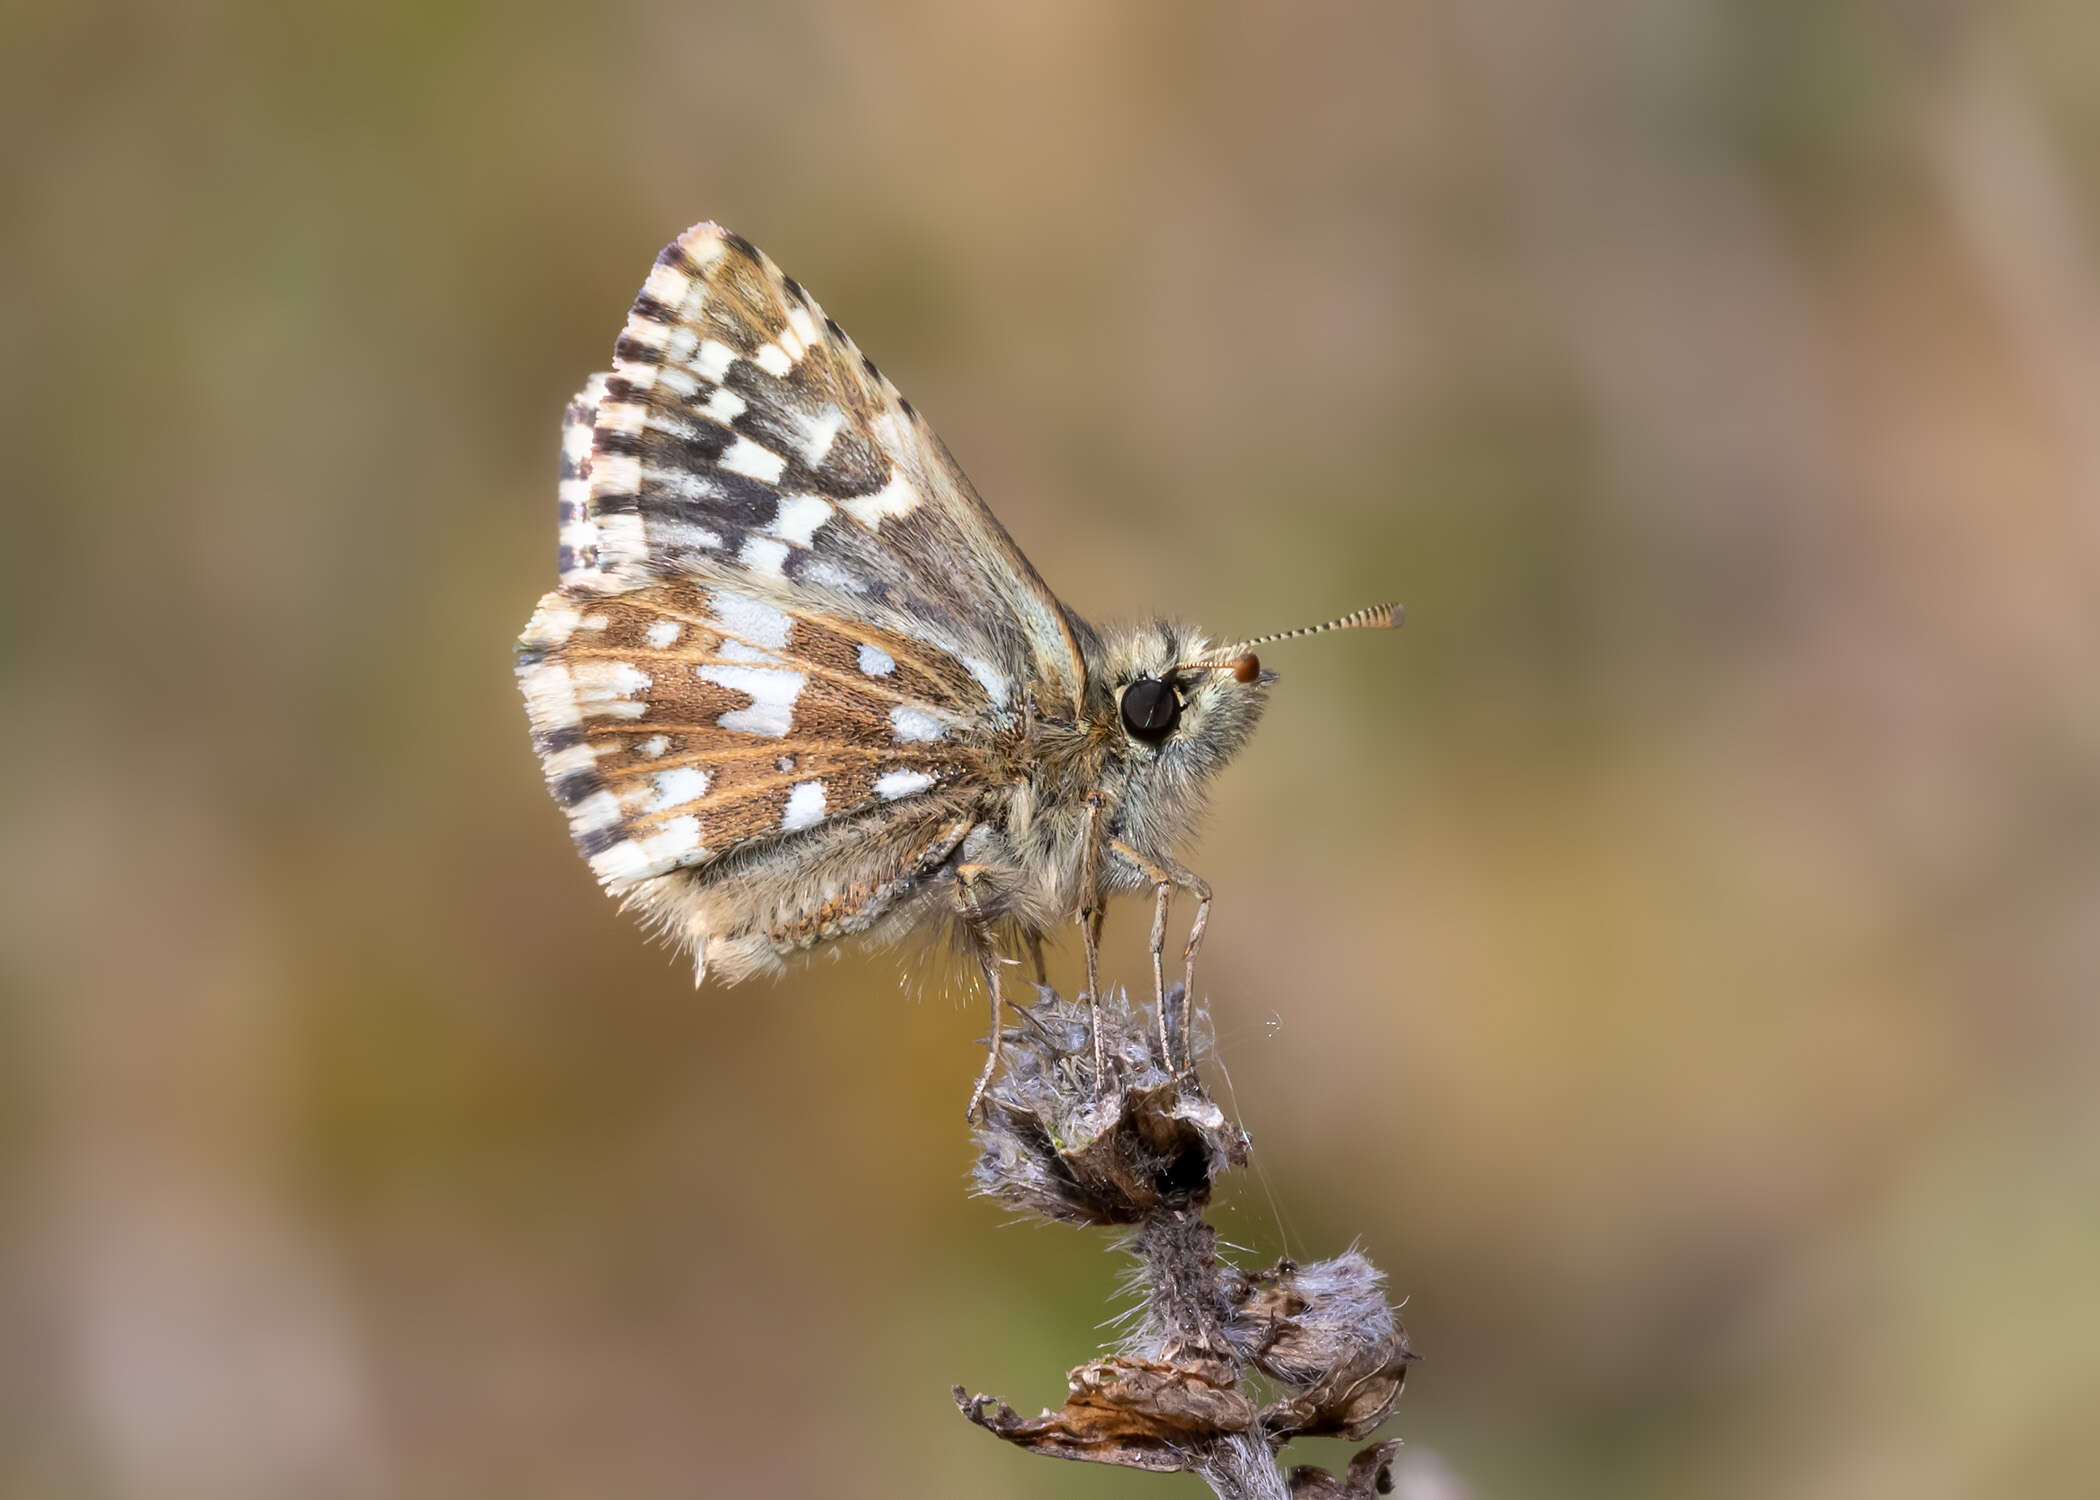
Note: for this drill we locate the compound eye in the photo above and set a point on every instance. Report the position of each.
(1150, 709)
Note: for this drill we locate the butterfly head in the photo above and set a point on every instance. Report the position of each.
(1176, 706)
(1168, 705)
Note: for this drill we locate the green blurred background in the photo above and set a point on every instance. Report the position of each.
(1673, 955)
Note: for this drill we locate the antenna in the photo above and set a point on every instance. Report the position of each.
(1377, 617)
(1245, 666)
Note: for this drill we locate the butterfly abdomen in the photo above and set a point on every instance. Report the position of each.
(746, 916)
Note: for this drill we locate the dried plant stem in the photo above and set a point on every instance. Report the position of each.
(1136, 1144)
(1179, 1253)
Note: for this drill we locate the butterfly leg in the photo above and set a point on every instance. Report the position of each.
(980, 940)
(1090, 928)
(1163, 883)
(1035, 956)
(1189, 880)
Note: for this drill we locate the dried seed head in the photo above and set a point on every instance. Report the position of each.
(1062, 1145)
(1326, 1330)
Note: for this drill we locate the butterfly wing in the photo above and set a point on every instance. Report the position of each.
(742, 437)
(679, 721)
(576, 550)
(781, 602)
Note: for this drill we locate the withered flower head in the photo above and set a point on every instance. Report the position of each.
(1054, 1145)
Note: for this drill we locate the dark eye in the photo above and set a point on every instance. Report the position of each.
(1150, 710)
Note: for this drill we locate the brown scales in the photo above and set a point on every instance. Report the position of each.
(841, 736)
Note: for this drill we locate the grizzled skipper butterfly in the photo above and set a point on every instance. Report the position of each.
(797, 684)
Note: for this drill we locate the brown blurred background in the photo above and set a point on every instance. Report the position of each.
(1674, 955)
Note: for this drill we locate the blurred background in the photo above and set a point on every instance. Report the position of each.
(1673, 955)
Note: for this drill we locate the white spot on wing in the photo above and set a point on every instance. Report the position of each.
(621, 537)
(764, 555)
(664, 633)
(772, 693)
(889, 432)
(682, 381)
(910, 724)
(725, 405)
(620, 864)
(818, 434)
(678, 839)
(678, 786)
(748, 619)
(747, 457)
(680, 534)
(711, 361)
(668, 285)
(551, 625)
(576, 442)
(799, 519)
(677, 427)
(990, 678)
(599, 810)
(653, 746)
(615, 474)
(675, 843)
(607, 689)
(550, 698)
(773, 360)
(645, 331)
(825, 572)
(891, 785)
(567, 762)
(805, 805)
(875, 661)
(897, 498)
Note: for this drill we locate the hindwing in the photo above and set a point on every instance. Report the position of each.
(679, 721)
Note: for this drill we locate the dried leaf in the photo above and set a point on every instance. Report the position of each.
(1370, 1474)
(1350, 1402)
(1141, 1414)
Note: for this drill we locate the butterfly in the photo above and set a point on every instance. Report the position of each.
(798, 685)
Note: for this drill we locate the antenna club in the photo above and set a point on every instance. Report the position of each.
(1245, 667)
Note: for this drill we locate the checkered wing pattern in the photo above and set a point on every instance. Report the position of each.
(781, 601)
(742, 437)
(680, 721)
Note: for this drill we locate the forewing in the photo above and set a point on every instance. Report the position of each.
(576, 547)
(682, 720)
(741, 439)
